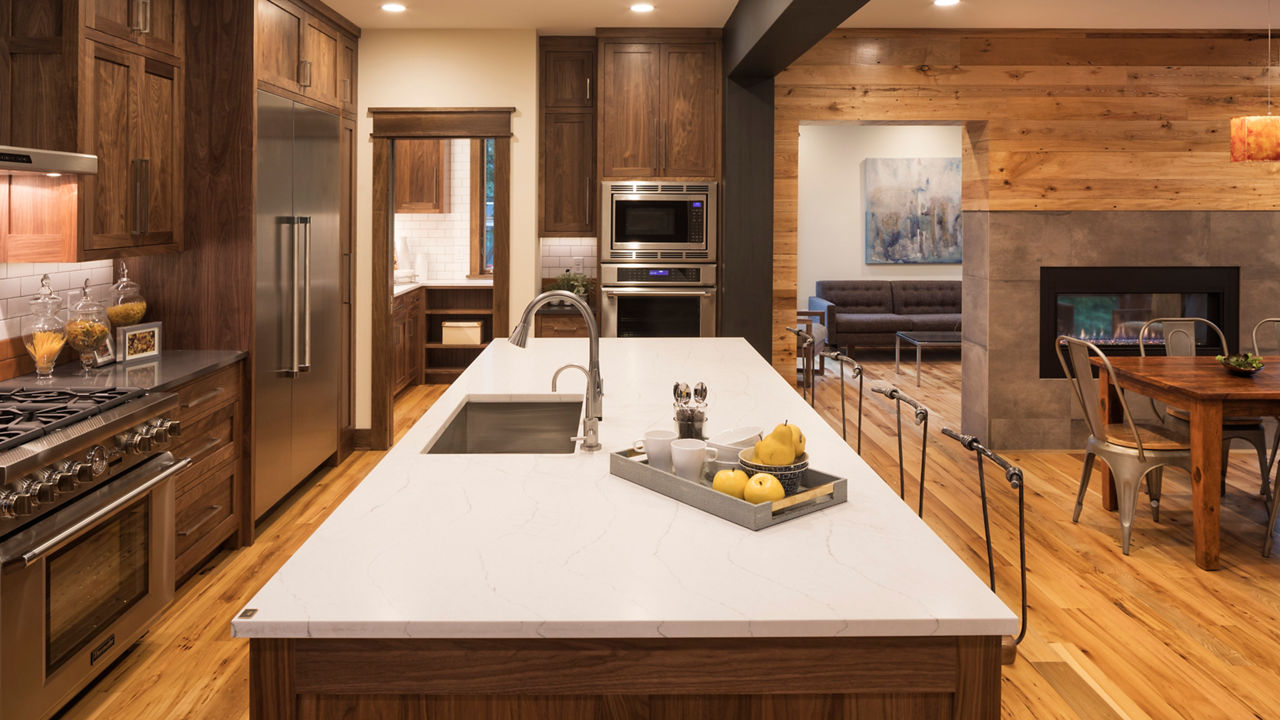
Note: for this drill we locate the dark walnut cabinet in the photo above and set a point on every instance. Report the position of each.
(104, 77)
(302, 54)
(659, 108)
(567, 165)
(408, 320)
(422, 176)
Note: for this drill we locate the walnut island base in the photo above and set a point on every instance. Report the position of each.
(908, 678)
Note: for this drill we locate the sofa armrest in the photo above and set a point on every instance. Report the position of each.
(827, 308)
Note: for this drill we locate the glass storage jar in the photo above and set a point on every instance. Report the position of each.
(88, 328)
(127, 304)
(43, 331)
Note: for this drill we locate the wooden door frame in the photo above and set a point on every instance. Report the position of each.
(390, 124)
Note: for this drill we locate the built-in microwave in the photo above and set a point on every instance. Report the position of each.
(647, 221)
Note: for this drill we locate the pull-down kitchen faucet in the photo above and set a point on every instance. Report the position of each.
(595, 386)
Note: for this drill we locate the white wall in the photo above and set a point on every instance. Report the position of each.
(832, 209)
(447, 68)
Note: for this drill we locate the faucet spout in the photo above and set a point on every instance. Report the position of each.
(594, 411)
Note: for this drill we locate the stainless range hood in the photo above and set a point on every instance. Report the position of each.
(30, 161)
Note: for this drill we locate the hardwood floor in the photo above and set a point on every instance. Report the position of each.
(1143, 636)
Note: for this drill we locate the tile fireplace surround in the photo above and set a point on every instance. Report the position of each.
(1005, 401)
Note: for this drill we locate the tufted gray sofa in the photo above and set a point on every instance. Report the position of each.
(868, 313)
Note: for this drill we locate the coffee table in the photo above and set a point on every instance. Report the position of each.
(923, 339)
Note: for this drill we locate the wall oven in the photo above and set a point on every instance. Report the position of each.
(647, 221)
(86, 542)
(658, 300)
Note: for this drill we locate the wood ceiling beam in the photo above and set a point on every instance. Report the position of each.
(763, 37)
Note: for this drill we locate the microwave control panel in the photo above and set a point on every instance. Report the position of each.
(645, 274)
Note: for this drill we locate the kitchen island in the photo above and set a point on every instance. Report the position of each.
(484, 585)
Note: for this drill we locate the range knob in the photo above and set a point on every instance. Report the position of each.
(96, 460)
(165, 429)
(138, 441)
(72, 474)
(14, 504)
(43, 488)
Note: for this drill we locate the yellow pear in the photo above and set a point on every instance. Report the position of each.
(777, 448)
(798, 440)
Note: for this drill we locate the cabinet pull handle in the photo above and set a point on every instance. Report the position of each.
(141, 17)
(304, 73)
(145, 166)
(205, 397)
(209, 514)
(588, 89)
(346, 89)
(135, 169)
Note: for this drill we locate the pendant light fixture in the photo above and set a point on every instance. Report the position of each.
(1257, 137)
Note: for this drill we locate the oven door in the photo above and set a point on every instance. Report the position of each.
(658, 222)
(658, 312)
(78, 588)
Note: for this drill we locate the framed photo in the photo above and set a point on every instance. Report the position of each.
(134, 342)
(142, 375)
(106, 354)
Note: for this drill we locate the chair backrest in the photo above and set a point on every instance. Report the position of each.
(1179, 335)
(1080, 375)
(1275, 326)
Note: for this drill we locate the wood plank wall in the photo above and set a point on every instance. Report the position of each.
(1055, 120)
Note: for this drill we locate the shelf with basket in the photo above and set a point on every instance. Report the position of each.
(459, 325)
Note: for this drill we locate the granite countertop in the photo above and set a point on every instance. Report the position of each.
(165, 371)
(528, 546)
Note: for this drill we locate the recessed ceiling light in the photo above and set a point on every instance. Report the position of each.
(53, 174)
(642, 7)
(946, 3)
(393, 7)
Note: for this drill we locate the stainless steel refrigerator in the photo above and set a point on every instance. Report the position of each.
(296, 304)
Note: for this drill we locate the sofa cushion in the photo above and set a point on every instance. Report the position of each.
(858, 296)
(932, 321)
(870, 323)
(926, 297)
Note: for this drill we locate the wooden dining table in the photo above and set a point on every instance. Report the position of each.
(1208, 392)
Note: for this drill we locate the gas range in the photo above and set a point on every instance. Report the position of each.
(57, 444)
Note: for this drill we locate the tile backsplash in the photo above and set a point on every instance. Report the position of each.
(19, 282)
(573, 254)
(441, 241)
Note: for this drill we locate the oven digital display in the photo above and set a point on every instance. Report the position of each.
(659, 273)
(696, 204)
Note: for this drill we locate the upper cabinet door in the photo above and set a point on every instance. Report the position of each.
(280, 28)
(568, 182)
(160, 146)
(156, 24)
(690, 110)
(347, 74)
(630, 96)
(422, 176)
(566, 80)
(111, 207)
(320, 62)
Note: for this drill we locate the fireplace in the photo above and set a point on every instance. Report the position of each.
(1108, 305)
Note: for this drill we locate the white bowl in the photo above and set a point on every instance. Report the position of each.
(739, 437)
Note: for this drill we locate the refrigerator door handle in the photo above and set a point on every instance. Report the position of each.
(306, 294)
(292, 369)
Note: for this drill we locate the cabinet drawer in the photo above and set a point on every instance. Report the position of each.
(209, 440)
(209, 393)
(205, 506)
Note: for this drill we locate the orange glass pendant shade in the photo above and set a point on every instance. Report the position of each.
(1255, 138)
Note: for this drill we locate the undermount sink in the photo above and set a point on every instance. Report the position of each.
(498, 424)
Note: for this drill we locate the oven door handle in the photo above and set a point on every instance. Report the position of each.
(657, 292)
(75, 531)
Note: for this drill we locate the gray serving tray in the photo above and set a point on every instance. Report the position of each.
(818, 491)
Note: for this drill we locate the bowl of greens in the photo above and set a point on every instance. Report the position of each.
(1243, 365)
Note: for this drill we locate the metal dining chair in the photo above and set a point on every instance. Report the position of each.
(1269, 489)
(1180, 341)
(1132, 450)
(922, 419)
(841, 358)
(1015, 478)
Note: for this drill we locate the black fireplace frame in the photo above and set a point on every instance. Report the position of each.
(1221, 281)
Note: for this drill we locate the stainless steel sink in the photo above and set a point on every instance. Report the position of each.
(496, 424)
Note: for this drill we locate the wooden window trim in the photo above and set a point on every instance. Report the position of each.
(477, 211)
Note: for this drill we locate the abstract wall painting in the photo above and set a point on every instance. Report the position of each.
(913, 210)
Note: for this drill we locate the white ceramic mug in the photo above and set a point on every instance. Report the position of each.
(657, 445)
(688, 456)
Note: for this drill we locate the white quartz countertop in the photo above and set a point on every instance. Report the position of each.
(512, 546)
(399, 289)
